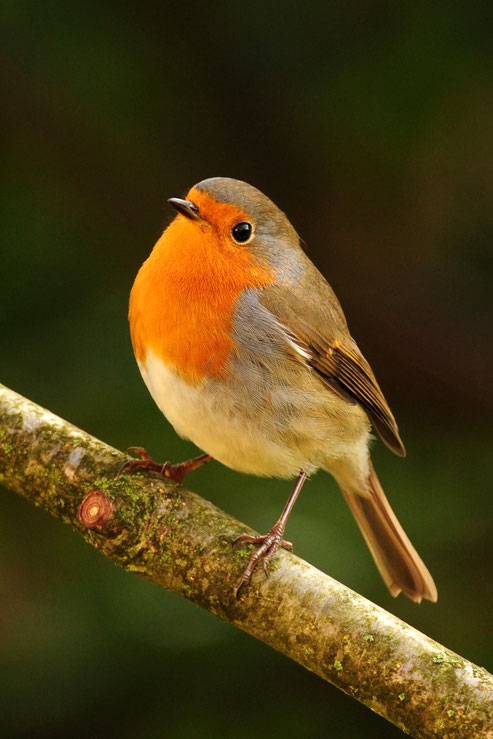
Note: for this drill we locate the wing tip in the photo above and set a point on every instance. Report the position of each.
(390, 437)
(399, 448)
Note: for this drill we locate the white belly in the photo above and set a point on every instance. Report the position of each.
(209, 417)
(259, 428)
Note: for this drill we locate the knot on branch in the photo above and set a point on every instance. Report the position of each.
(95, 509)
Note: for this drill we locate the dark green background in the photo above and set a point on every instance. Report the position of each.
(370, 124)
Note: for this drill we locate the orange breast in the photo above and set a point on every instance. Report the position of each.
(183, 299)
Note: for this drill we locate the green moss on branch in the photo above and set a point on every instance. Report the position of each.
(174, 538)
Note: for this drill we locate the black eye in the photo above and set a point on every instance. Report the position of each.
(242, 232)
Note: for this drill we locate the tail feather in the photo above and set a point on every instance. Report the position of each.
(397, 560)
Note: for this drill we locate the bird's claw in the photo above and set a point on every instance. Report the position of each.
(171, 471)
(268, 546)
(175, 472)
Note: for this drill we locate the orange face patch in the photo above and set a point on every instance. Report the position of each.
(183, 299)
(221, 216)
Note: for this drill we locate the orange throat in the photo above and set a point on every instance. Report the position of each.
(183, 299)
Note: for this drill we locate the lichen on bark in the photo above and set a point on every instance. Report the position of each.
(172, 537)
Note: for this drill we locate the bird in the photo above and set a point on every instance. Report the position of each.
(245, 349)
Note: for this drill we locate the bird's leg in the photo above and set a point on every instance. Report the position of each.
(175, 472)
(270, 543)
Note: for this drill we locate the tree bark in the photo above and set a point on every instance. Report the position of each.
(170, 536)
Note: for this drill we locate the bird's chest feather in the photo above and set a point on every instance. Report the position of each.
(183, 300)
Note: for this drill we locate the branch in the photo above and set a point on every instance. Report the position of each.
(172, 537)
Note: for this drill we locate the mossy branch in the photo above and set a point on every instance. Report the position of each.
(182, 542)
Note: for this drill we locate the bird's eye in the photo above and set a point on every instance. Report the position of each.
(242, 232)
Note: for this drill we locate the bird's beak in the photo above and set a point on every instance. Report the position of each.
(186, 208)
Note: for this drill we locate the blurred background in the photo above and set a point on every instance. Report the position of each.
(370, 124)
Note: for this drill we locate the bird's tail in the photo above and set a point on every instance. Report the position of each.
(397, 560)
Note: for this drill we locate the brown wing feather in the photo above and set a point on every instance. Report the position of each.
(334, 355)
(356, 376)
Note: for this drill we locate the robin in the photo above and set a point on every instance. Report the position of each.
(245, 349)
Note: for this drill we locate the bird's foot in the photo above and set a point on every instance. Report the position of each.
(268, 546)
(175, 472)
